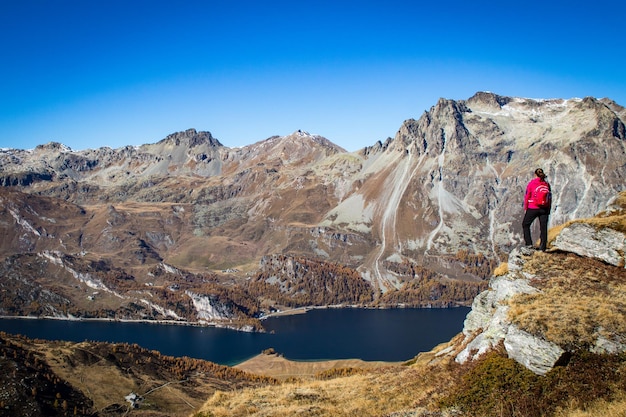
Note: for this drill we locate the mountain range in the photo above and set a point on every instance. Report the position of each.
(189, 230)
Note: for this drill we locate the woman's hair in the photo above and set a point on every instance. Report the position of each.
(539, 173)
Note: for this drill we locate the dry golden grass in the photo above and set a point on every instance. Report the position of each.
(580, 300)
(375, 393)
(600, 408)
(615, 221)
(553, 232)
(276, 366)
(501, 269)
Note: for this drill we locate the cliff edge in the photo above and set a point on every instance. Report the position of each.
(542, 307)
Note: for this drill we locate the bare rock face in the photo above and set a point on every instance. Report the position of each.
(454, 179)
(487, 325)
(535, 353)
(607, 245)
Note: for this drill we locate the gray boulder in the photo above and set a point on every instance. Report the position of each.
(605, 244)
(534, 353)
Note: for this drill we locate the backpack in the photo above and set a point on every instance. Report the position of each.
(542, 195)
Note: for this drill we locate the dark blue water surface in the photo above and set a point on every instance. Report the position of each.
(381, 335)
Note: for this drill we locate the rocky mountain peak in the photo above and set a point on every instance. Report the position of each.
(191, 138)
(297, 148)
(613, 106)
(437, 131)
(53, 146)
(488, 99)
(304, 138)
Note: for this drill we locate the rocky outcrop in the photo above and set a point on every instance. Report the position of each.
(605, 244)
(191, 138)
(489, 323)
(596, 240)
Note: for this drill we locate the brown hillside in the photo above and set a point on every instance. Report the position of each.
(57, 378)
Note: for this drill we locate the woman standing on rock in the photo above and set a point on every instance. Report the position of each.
(537, 203)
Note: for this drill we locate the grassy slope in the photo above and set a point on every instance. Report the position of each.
(276, 366)
(376, 391)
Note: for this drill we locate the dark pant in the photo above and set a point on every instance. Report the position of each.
(529, 218)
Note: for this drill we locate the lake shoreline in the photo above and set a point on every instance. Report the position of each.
(385, 335)
(281, 313)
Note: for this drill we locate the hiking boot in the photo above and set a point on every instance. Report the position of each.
(527, 250)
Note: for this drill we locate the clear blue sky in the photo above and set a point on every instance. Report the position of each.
(91, 73)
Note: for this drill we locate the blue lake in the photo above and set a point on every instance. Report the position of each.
(368, 334)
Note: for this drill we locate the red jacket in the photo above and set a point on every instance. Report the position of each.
(530, 188)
